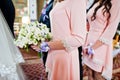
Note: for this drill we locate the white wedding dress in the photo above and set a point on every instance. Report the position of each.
(10, 57)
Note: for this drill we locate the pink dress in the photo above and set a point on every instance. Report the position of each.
(68, 19)
(102, 60)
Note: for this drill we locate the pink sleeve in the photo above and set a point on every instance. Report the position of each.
(78, 25)
(109, 32)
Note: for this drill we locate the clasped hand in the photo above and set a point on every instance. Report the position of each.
(42, 48)
(88, 50)
(35, 47)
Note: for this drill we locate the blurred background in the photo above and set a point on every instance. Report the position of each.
(26, 11)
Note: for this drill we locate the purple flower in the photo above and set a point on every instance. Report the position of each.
(90, 50)
(44, 47)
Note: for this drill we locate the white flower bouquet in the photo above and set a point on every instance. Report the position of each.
(32, 33)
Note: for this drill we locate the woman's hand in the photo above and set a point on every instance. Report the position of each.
(43, 47)
(35, 47)
(85, 51)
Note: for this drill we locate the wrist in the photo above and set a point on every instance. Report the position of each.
(90, 48)
(91, 51)
(44, 47)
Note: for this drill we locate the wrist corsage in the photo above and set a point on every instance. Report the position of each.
(44, 47)
(90, 49)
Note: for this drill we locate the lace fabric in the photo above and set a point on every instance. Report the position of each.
(105, 41)
(67, 46)
(9, 72)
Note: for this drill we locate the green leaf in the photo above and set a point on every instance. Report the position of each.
(40, 54)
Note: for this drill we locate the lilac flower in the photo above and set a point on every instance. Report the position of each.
(44, 47)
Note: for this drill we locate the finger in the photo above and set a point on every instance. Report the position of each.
(32, 46)
(91, 56)
(35, 48)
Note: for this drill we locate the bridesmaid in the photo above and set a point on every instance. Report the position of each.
(68, 27)
(103, 18)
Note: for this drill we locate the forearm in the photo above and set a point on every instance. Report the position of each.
(56, 45)
(97, 44)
